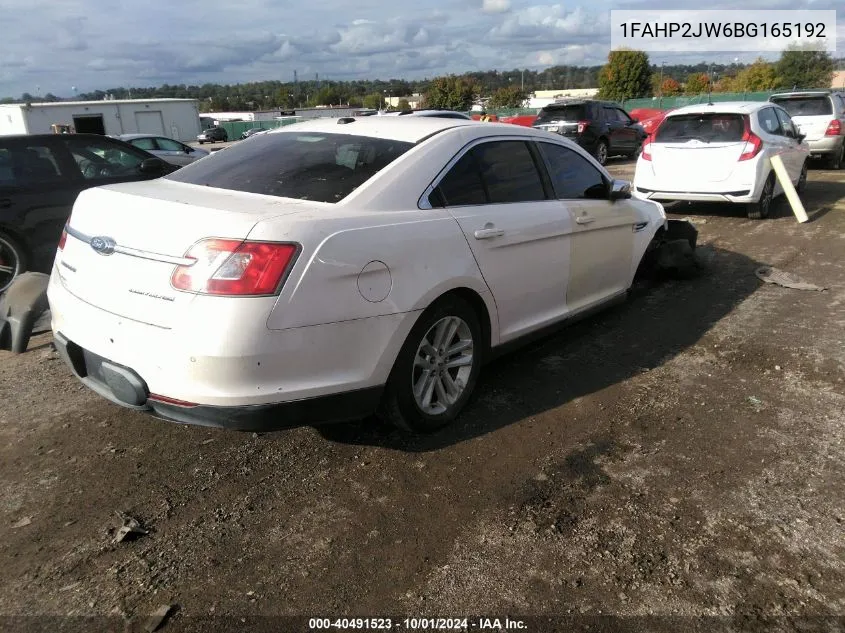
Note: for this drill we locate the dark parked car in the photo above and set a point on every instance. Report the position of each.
(601, 127)
(213, 134)
(40, 177)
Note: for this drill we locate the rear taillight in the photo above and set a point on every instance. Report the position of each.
(753, 143)
(235, 268)
(646, 153)
(834, 128)
(63, 238)
(582, 125)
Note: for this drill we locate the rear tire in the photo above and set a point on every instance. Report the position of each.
(802, 179)
(13, 261)
(837, 160)
(760, 210)
(436, 370)
(601, 152)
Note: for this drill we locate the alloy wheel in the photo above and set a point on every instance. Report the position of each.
(443, 365)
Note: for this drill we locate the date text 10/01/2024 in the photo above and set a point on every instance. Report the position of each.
(418, 624)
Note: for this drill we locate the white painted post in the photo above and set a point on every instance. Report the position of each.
(788, 189)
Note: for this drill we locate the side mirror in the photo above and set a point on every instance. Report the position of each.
(187, 149)
(620, 190)
(801, 137)
(152, 166)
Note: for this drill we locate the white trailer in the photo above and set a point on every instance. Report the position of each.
(174, 118)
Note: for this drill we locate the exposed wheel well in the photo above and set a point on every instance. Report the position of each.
(480, 308)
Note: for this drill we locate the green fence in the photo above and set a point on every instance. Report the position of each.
(235, 128)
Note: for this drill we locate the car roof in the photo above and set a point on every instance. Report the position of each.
(403, 128)
(125, 137)
(722, 107)
(803, 93)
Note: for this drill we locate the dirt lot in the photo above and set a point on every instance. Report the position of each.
(675, 464)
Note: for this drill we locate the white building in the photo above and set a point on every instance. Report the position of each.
(542, 98)
(175, 118)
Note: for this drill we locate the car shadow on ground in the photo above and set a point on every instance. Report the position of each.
(818, 199)
(658, 322)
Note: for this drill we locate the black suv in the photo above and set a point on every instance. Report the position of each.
(40, 177)
(601, 127)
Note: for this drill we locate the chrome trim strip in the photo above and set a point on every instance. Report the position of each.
(134, 252)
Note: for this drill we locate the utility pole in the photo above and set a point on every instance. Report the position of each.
(522, 85)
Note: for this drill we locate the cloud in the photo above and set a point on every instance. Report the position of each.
(55, 45)
(495, 6)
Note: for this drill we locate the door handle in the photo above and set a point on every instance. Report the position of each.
(488, 232)
(5, 203)
(584, 219)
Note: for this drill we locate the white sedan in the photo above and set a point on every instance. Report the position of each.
(722, 153)
(167, 149)
(335, 268)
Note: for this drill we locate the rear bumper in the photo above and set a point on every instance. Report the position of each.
(125, 387)
(736, 197)
(826, 145)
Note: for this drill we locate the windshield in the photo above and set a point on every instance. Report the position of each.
(572, 112)
(707, 127)
(304, 165)
(804, 106)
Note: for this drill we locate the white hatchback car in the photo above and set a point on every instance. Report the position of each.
(722, 153)
(335, 268)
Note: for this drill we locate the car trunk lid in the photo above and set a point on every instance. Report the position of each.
(125, 241)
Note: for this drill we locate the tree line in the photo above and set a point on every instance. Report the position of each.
(629, 74)
(626, 75)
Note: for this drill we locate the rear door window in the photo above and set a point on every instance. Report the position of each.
(147, 144)
(495, 172)
(169, 145)
(786, 125)
(706, 127)
(29, 164)
(323, 167)
(805, 106)
(768, 119)
(99, 159)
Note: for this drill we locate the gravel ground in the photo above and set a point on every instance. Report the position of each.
(671, 464)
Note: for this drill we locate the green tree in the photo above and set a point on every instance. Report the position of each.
(626, 75)
(801, 68)
(403, 105)
(696, 83)
(507, 97)
(451, 93)
(759, 76)
(374, 101)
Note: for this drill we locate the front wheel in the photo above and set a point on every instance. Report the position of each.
(760, 210)
(436, 370)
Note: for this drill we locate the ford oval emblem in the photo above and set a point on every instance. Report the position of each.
(103, 245)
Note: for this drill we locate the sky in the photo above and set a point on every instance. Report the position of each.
(57, 46)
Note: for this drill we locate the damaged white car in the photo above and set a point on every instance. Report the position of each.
(337, 268)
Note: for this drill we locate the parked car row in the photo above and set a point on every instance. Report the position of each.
(448, 240)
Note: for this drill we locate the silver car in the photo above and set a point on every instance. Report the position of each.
(167, 149)
(820, 116)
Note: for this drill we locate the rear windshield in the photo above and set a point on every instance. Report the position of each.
(303, 165)
(804, 106)
(573, 112)
(709, 128)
